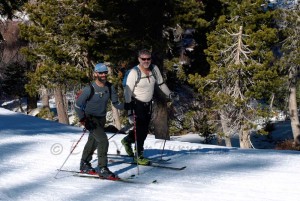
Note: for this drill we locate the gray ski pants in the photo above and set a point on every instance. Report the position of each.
(97, 140)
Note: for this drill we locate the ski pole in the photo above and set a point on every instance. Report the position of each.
(162, 152)
(136, 148)
(84, 130)
(118, 132)
(118, 151)
(113, 135)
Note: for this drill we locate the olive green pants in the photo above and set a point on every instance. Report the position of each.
(97, 140)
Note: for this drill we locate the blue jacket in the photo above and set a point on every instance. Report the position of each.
(97, 105)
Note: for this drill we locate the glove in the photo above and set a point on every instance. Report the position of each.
(85, 122)
(129, 106)
(131, 119)
(82, 121)
(174, 96)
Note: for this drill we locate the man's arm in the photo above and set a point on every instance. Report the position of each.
(115, 99)
(81, 102)
(160, 82)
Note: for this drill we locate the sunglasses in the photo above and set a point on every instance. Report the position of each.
(105, 72)
(144, 59)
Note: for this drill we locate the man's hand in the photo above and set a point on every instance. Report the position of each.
(131, 119)
(85, 122)
(129, 106)
(82, 121)
(174, 96)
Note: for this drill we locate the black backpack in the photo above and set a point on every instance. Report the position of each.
(108, 84)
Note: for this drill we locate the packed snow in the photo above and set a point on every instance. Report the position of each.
(33, 149)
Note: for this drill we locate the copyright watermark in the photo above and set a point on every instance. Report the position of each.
(56, 149)
(160, 145)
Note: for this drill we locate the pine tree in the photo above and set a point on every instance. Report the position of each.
(144, 24)
(288, 23)
(61, 45)
(240, 55)
(10, 45)
(14, 81)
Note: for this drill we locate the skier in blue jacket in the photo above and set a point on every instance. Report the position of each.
(92, 114)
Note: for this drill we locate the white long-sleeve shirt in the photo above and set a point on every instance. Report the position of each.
(144, 89)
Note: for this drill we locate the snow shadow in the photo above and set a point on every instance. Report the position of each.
(17, 124)
(9, 150)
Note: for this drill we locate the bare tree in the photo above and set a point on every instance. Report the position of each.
(60, 105)
(289, 23)
(115, 111)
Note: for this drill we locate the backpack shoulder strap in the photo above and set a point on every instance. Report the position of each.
(153, 71)
(139, 74)
(108, 84)
(91, 93)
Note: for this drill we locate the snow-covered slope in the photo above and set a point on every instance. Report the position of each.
(32, 149)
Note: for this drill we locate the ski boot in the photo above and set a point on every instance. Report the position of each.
(105, 173)
(141, 160)
(127, 146)
(86, 167)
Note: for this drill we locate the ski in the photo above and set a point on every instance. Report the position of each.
(152, 164)
(72, 171)
(166, 167)
(125, 180)
(153, 160)
(96, 176)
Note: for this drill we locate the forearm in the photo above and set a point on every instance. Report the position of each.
(119, 106)
(165, 90)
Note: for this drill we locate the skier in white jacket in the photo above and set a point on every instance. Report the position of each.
(138, 94)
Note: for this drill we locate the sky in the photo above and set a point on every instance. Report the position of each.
(33, 149)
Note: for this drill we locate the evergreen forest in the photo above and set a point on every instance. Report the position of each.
(232, 63)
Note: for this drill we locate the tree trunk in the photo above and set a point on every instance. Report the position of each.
(272, 102)
(20, 105)
(160, 109)
(115, 111)
(244, 137)
(160, 116)
(2, 41)
(116, 117)
(293, 110)
(219, 140)
(294, 115)
(160, 121)
(45, 98)
(60, 107)
(226, 129)
(45, 102)
(31, 103)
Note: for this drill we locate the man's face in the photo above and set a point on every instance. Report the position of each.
(101, 76)
(145, 60)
